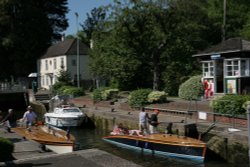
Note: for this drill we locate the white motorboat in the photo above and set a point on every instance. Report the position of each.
(65, 117)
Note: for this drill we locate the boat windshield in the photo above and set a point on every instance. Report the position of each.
(71, 110)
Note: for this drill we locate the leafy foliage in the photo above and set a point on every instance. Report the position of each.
(55, 87)
(109, 94)
(157, 97)
(76, 92)
(192, 89)
(7, 148)
(157, 38)
(104, 93)
(62, 88)
(139, 98)
(230, 104)
(38, 23)
(64, 77)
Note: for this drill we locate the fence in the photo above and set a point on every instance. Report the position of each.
(9, 87)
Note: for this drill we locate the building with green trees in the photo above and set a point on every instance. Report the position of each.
(64, 55)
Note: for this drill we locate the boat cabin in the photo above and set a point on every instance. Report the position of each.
(226, 66)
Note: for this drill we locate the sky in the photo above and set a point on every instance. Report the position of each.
(82, 7)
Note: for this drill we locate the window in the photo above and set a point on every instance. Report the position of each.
(237, 67)
(208, 69)
(46, 65)
(54, 64)
(47, 80)
(62, 62)
(42, 81)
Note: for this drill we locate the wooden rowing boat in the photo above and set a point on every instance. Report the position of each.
(52, 138)
(162, 144)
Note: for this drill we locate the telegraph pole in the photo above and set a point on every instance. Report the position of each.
(77, 53)
(224, 20)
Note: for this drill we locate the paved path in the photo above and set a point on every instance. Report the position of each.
(83, 158)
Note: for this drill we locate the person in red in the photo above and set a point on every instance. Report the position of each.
(210, 88)
(205, 83)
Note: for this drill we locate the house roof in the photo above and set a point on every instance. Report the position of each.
(229, 46)
(66, 47)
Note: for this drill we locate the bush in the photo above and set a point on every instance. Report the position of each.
(57, 86)
(109, 94)
(7, 147)
(230, 104)
(61, 90)
(97, 95)
(139, 98)
(104, 93)
(157, 97)
(192, 89)
(70, 90)
(76, 92)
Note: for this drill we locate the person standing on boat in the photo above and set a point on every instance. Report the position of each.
(30, 117)
(153, 122)
(143, 118)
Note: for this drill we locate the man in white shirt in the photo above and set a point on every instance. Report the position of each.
(30, 117)
(143, 116)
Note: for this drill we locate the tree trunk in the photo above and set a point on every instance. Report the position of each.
(156, 72)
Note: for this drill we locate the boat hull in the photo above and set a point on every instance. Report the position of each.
(54, 139)
(162, 145)
(64, 121)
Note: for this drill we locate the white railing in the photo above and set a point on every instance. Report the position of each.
(8, 87)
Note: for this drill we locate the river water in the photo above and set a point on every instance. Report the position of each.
(92, 138)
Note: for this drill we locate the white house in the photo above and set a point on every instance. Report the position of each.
(63, 54)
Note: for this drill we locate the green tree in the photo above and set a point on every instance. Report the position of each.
(237, 14)
(27, 28)
(149, 43)
(95, 21)
(64, 77)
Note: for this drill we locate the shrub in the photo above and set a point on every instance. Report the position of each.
(157, 97)
(230, 104)
(139, 98)
(97, 94)
(192, 89)
(57, 86)
(109, 94)
(7, 147)
(245, 104)
(61, 90)
(104, 93)
(76, 92)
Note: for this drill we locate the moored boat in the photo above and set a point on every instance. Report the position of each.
(52, 138)
(162, 144)
(65, 116)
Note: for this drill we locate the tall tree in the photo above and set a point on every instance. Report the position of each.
(95, 22)
(158, 38)
(27, 28)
